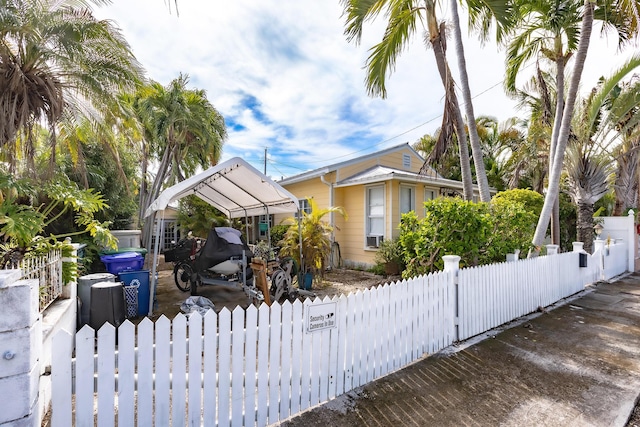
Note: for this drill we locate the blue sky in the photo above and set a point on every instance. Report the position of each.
(284, 77)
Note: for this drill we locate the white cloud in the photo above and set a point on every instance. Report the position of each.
(291, 59)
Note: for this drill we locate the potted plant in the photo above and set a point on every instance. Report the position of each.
(390, 255)
(316, 240)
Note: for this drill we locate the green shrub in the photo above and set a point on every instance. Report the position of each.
(480, 233)
(390, 250)
(451, 226)
(531, 200)
(512, 225)
(277, 233)
(377, 269)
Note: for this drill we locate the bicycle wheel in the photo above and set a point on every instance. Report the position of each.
(182, 273)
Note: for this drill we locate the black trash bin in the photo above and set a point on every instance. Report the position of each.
(107, 304)
(84, 292)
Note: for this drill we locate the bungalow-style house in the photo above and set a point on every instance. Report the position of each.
(375, 190)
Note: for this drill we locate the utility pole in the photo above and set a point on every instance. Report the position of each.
(265, 160)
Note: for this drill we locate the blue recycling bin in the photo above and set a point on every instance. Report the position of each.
(125, 261)
(139, 280)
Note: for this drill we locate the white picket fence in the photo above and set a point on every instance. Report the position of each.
(489, 296)
(260, 366)
(245, 368)
(614, 259)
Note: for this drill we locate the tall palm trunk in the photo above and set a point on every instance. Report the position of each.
(557, 122)
(147, 199)
(585, 225)
(451, 103)
(476, 149)
(626, 184)
(563, 135)
(143, 181)
(438, 43)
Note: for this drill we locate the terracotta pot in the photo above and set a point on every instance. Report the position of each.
(391, 268)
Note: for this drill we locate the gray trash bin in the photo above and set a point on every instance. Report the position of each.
(107, 304)
(84, 293)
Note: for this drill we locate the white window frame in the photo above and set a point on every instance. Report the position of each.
(412, 201)
(369, 216)
(304, 206)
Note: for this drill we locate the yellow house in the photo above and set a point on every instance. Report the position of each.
(375, 190)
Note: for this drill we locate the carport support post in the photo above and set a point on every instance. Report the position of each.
(452, 265)
(156, 249)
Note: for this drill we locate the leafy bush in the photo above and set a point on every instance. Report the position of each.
(25, 218)
(531, 200)
(278, 232)
(198, 216)
(390, 250)
(512, 228)
(480, 233)
(451, 226)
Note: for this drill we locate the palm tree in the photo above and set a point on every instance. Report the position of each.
(560, 133)
(316, 238)
(182, 131)
(545, 26)
(529, 163)
(595, 129)
(500, 142)
(446, 164)
(588, 176)
(627, 154)
(627, 183)
(403, 19)
(56, 57)
(501, 11)
(550, 30)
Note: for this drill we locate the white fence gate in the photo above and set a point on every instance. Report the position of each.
(260, 366)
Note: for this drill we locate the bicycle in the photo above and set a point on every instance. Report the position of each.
(183, 255)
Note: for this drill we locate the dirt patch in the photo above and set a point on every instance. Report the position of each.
(344, 281)
(336, 282)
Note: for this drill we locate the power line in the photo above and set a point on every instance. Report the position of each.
(388, 139)
(405, 132)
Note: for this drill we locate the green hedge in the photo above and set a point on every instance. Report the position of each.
(480, 233)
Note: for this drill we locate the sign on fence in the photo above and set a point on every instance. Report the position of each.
(321, 316)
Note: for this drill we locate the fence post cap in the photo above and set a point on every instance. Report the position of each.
(451, 262)
(578, 246)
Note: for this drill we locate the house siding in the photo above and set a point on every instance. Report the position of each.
(303, 190)
(350, 233)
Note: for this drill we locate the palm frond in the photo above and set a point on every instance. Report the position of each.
(356, 13)
(382, 59)
(608, 86)
(483, 13)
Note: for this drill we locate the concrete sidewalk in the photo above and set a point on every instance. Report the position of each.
(576, 365)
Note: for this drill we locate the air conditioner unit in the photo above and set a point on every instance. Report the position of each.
(374, 241)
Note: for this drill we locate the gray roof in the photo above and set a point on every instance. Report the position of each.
(380, 173)
(330, 168)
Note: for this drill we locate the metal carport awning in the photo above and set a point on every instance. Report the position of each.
(235, 188)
